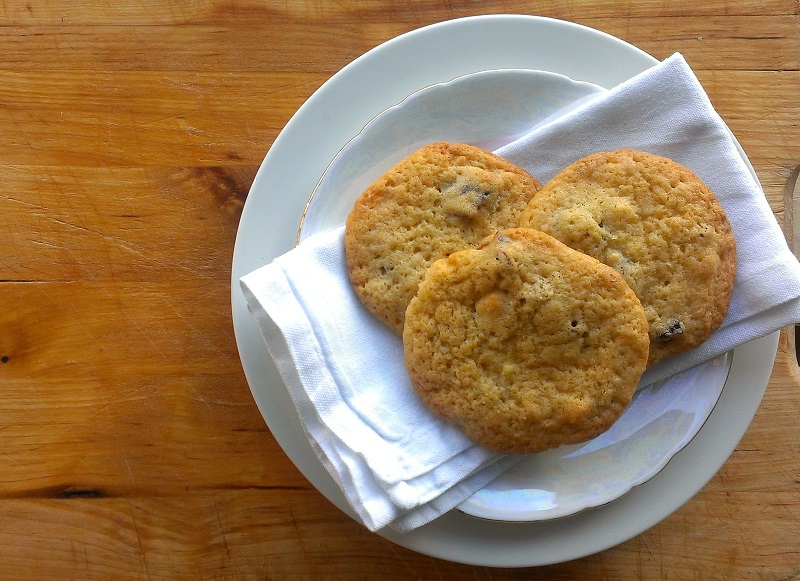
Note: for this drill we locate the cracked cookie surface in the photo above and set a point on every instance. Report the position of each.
(660, 226)
(442, 198)
(524, 343)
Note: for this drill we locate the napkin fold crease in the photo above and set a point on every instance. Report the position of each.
(399, 465)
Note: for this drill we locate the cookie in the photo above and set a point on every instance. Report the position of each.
(442, 198)
(524, 343)
(660, 226)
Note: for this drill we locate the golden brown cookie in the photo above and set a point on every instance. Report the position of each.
(442, 198)
(524, 343)
(659, 225)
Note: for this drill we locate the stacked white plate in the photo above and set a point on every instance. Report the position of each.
(513, 73)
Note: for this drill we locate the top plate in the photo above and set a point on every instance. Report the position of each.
(489, 109)
(268, 228)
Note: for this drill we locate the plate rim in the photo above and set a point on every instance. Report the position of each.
(457, 537)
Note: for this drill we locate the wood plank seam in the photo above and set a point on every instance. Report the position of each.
(791, 227)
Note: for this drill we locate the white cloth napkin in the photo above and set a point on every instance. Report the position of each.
(396, 463)
(665, 111)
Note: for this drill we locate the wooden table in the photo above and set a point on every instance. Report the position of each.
(130, 446)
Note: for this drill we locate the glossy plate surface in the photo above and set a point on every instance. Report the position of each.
(290, 171)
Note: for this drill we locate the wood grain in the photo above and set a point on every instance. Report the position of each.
(130, 446)
(72, 223)
(767, 42)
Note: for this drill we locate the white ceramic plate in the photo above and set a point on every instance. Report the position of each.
(268, 228)
(490, 109)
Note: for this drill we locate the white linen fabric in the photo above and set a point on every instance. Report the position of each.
(665, 111)
(397, 464)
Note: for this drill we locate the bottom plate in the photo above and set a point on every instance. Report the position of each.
(268, 228)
